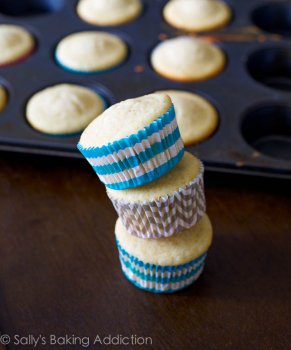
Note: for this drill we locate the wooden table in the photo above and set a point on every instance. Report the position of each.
(60, 272)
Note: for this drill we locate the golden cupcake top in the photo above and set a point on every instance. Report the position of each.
(91, 51)
(109, 12)
(187, 59)
(15, 43)
(197, 118)
(168, 251)
(197, 15)
(124, 119)
(63, 109)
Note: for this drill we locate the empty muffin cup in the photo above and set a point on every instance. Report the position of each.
(267, 128)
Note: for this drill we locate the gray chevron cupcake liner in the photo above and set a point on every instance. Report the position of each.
(167, 215)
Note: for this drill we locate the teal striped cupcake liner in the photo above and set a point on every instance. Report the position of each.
(157, 278)
(89, 72)
(139, 158)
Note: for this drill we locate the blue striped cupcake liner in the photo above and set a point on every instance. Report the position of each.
(157, 278)
(139, 158)
(89, 72)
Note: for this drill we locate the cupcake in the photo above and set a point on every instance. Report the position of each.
(3, 98)
(197, 118)
(169, 205)
(164, 265)
(63, 109)
(133, 142)
(16, 44)
(187, 59)
(109, 12)
(197, 15)
(89, 52)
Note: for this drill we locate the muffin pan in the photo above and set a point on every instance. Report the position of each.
(252, 94)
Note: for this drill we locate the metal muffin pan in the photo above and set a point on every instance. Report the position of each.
(252, 94)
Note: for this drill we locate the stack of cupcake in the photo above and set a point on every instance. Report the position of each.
(162, 233)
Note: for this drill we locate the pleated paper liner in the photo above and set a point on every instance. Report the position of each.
(157, 278)
(167, 215)
(139, 158)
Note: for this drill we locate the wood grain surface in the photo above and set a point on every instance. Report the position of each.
(60, 272)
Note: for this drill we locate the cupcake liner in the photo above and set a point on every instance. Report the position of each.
(157, 278)
(19, 59)
(139, 158)
(167, 215)
(89, 72)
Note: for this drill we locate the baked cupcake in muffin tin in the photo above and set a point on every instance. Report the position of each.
(90, 52)
(197, 118)
(3, 98)
(63, 109)
(108, 12)
(187, 59)
(16, 44)
(197, 15)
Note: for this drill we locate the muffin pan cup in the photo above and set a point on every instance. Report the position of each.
(234, 92)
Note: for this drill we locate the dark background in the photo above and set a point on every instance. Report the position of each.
(60, 274)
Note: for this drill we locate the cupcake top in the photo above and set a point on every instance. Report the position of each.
(3, 98)
(197, 118)
(91, 51)
(15, 43)
(197, 15)
(63, 109)
(187, 59)
(109, 12)
(185, 172)
(168, 251)
(124, 119)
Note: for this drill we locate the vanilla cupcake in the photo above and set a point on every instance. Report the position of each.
(109, 12)
(187, 59)
(91, 51)
(133, 142)
(63, 109)
(165, 207)
(3, 98)
(197, 15)
(16, 44)
(164, 265)
(197, 118)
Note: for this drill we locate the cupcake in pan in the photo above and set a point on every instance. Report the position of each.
(63, 109)
(187, 59)
(162, 208)
(3, 98)
(197, 118)
(109, 12)
(164, 265)
(133, 142)
(90, 51)
(16, 44)
(197, 15)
